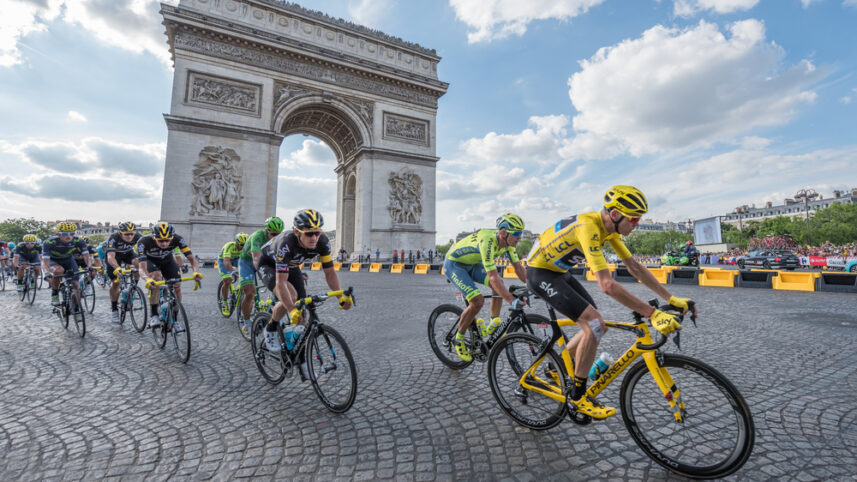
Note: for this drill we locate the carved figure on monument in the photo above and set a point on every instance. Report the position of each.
(216, 183)
(405, 197)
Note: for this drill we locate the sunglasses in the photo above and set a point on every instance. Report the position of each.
(310, 234)
(516, 234)
(159, 241)
(66, 233)
(634, 221)
(131, 233)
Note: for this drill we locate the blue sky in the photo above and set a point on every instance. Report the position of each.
(703, 104)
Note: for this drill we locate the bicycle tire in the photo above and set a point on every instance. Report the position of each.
(525, 407)
(160, 334)
(239, 320)
(78, 312)
(136, 308)
(63, 311)
(30, 286)
(25, 285)
(3, 280)
(442, 325)
(230, 302)
(325, 365)
(646, 402)
(180, 332)
(270, 364)
(88, 293)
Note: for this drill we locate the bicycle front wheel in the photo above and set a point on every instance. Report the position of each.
(231, 306)
(135, 307)
(87, 291)
(717, 433)
(442, 327)
(331, 369)
(270, 364)
(77, 312)
(30, 287)
(180, 331)
(25, 287)
(508, 360)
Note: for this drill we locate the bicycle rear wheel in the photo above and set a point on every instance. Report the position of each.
(30, 287)
(270, 364)
(180, 331)
(230, 301)
(717, 434)
(245, 327)
(25, 285)
(135, 307)
(331, 369)
(508, 360)
(160, 334)
(442, 327)
(3, 280)
(87, 291)
(78, 313)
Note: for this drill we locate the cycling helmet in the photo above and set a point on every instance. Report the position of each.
(241, 239)
(85, 238)
(274, 225)
(511, 222)
(689, 242)
(29, 238)
(628, 200)
(127, 227)
(307, 219)
(66, 227)
(163, 231)
(11, 245)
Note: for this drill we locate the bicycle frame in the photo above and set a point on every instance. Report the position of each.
(644, 346)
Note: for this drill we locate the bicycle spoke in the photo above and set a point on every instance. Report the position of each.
(331, 369)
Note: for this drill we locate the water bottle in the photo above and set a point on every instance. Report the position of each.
(164, 309)
(124, 295)
(291, 333)
(495, 323)
(600, 366)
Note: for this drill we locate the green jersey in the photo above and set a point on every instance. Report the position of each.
(230, 250)
(480, 247)
(254, 244)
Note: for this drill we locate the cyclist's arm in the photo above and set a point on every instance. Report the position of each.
(520, 271)
(487, 253)
(615, 290)
(194, 263)
(496, 283)
(227, 263)
(256, 255)
(646, 277)
(111, 260)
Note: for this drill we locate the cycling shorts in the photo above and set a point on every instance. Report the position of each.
(32, 258)
(121, 261)
(168, 267)
(465, 277)
(561, 290)
(224, 272)
(268, 275)
(68, 264)
(247, 272)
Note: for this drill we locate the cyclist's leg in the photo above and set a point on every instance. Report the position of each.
(154, 270)
(247, 273)
(226, 276)
(170, 269)
(460, 276)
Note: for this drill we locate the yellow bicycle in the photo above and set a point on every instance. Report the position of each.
(686, 416)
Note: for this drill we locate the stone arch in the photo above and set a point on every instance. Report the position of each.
(324, 118)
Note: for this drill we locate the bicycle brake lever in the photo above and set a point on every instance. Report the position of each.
(677, 340)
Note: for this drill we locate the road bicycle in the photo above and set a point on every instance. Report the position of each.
(87, 290)
(174, 323)
(686, 416)
(234, 298)
(132, 300)
(262, 302)
(70, 305)
(28, 292)
(443, 326)
(330, 366)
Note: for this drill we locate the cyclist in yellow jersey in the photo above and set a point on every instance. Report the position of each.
(471, 261)
(579, 239)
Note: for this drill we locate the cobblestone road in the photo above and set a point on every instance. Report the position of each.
(113, 406)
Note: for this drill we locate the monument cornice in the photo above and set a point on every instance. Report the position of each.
(220, 129)
(386, 155)
(239, 34)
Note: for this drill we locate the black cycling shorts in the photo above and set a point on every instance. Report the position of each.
(121, 261)
(168, 267)
(561, 290)
(267, 274)
(32, 258)
(68, 264)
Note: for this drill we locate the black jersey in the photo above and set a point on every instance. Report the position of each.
(117, 244)
(147, 247)
(22, 250)
(285, 251)
(55, 249)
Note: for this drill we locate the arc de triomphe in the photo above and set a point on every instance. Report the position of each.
(250, 72)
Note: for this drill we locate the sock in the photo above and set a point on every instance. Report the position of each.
(459, 336)
(55, 292)
(579, 388)
(272, 326)
(114, 306)
(154, 309)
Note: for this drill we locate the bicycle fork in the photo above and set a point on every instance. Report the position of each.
(654, 362)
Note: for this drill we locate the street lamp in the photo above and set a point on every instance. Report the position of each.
(806, 195)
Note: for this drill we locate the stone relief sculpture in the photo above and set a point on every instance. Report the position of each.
(217, 92)
(406, 193)
(216, 183)
(405, 128)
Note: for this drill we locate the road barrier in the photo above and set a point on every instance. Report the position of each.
(337, 266)
(375, 268)
(396, 267)
(717, 277)
(661, 274)
(315, 267)
(683, 276)
(795, 281)
(421, 268)
(578, 272)
(355, 267)
(509, 272)
(838, 282)
(755, 279)
(621, 273)
(590, 275)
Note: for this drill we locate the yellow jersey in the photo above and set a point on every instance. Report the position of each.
(572, 241)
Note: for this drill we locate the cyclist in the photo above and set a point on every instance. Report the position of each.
(284, 254)
(155, 254)
(471, 261)
(5, 252)
(248, 260)
(579, 238)
(27, 252)
(226, 261)
(120, 251)
(58, 256)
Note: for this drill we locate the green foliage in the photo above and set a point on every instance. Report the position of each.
(14, 229)
(443, 248)
(96, 239)
(656, 243)
(523, 248)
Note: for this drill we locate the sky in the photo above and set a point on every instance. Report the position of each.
(704, 105)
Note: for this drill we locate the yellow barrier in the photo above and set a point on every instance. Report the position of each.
(397, 267)
(375, 268)
(442, 271)
(215, 265)
(302, 266)
(660, 274)
(795, 281)
(509, 272)
(717, 277)
(590, 275)
(422, 268)
(355, 267)
(337, 266)
(315, 266)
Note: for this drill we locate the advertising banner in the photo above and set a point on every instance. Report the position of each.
(707, 231)
(817, 261)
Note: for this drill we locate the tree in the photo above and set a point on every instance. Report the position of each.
(656, 243)
(14, 229)
(443, 248)
(523, 248)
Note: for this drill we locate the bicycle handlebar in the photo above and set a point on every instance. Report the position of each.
(319, 298)
(179, 280)
(672, 310)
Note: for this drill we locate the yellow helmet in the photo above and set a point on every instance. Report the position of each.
(163, 231)
(29, 238)
(66, 227)
(628, 200)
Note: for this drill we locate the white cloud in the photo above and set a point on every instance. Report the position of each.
(753, 142)
(807, 3)
(689, 8)
(311, 153)
(539, 143)
(75, 116)
(845, 100)
(849, 3)
(495, 19)
(368, 12)
(109, 158)
(19, 19)
(674, 89)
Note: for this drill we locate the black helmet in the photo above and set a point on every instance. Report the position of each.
(307, 219)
